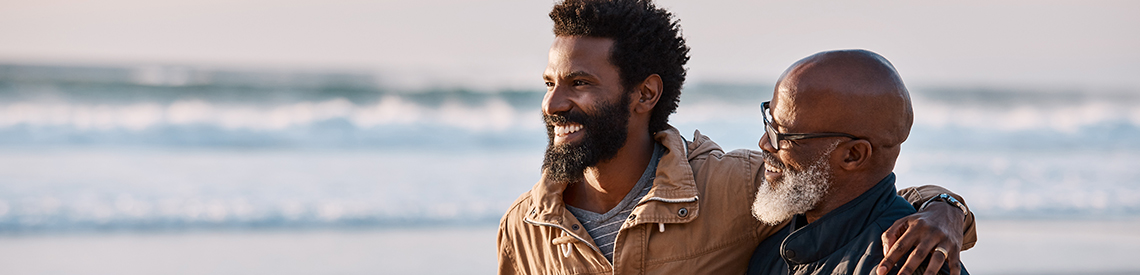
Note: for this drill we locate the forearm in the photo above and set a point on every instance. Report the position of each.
(921, 194)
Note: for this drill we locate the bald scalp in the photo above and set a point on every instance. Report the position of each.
(851, 91)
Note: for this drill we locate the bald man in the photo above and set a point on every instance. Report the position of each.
(834, 128)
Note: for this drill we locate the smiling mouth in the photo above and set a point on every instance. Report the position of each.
(565, 130)
(772, 168)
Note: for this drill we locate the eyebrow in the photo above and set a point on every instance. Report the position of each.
(578, 74)
(573, 74)
(777, 124)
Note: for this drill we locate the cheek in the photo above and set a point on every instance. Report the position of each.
(792, 160)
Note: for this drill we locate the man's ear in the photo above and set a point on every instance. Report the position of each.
(854, 154)
(647, 93)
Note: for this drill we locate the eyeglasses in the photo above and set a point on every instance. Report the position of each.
(775, 137)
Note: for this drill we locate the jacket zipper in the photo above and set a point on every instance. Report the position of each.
(693, 199)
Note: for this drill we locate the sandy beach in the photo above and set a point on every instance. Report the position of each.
(385, 251)
(1006, 247)
(1055, 247)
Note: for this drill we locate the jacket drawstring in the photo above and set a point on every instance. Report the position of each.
(566, 250)
(564, 243)
(661, 227)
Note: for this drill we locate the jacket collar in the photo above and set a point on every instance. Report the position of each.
(816, 240)
(675, 180)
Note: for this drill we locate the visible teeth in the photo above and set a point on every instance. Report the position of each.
(566, 130)
(769, 168)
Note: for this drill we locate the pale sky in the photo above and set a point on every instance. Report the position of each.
(503, 43)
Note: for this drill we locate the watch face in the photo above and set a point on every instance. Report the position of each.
(949, 198)
(952, 201)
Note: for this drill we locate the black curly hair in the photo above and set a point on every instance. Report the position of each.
(646, 41)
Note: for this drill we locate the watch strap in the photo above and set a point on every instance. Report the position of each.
(947, 198)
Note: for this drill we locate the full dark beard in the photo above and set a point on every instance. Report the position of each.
(605, 134)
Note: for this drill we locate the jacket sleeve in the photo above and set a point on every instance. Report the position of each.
(918, 195)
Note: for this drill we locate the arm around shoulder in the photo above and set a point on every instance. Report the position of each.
(917, 196)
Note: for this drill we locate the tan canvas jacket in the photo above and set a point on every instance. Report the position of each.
(696, 219)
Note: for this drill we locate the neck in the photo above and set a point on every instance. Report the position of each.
(605, 185)
(842, 191)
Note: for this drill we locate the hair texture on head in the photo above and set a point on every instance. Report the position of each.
(646, 41)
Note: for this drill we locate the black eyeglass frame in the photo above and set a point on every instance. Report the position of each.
(774, 137)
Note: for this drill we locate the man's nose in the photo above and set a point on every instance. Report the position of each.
(556, 101)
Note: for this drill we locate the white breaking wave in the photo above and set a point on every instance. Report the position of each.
(494, 115)
(1066, 119)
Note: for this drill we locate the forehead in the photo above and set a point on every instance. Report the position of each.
(579, 54)
(793, 108)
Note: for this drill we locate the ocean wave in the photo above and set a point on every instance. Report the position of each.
(1022, 117)
(46, 105)
(497, 114)
(107, 189)
(491, 115)
(93, 189)
(46, 214)
(396, 121)
(1039, 183)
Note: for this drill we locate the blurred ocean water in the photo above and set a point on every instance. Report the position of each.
(176, 148)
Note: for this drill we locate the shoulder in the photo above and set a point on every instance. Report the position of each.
(896, 207)
(737, 166)
(509, 228)
(514, 215)
(510, 231)
(704, 148)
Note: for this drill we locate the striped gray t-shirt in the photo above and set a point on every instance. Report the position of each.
(604, 227)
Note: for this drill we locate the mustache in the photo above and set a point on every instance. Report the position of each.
(770, 159)
(565, 118)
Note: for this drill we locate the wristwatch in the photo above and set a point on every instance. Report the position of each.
(947, 199)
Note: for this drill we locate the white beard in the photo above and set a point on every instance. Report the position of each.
(796, 193)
